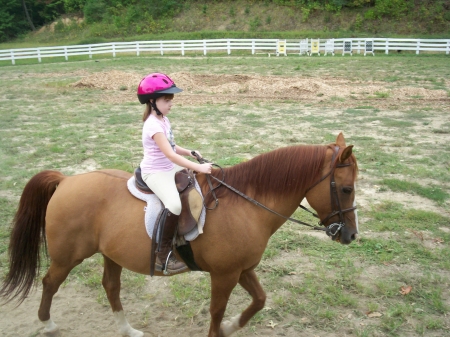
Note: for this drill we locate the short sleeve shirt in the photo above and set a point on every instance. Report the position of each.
(154, 159)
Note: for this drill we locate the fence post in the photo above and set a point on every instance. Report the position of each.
(359, 47)
(65, 53)
(12, 57)
(229, 47)
(137, 48)
(182, 48)
(90, 52)
(114, 50)
(39, 55)
(204, 47)
(253, 47)
(387, 47)
(418, 47)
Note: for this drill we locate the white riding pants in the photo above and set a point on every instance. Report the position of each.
(163, 185)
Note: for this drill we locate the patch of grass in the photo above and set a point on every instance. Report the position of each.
(188, 297)
(441, 131)
(365, 107)
(305, 276)
(434, 193)
(357, 112)
(395, 123)
(380, 94)
(392, 79)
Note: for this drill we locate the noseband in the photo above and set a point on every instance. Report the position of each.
(331, 230)
(335, 227)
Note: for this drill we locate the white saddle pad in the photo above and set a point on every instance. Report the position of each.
(154, 206)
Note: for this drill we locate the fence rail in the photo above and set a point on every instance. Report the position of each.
(256, 46)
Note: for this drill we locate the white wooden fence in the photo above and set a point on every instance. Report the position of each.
(256, 46)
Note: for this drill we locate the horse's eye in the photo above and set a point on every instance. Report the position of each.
(347, 190)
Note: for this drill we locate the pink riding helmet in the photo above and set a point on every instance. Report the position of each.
(154, 86)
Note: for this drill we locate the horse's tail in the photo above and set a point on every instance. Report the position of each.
(27, 236)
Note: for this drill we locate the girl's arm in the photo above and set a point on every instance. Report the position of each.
(182, 151)
(185, 152)
(164, 145)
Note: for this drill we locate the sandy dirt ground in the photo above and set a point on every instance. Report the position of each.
(76, 309)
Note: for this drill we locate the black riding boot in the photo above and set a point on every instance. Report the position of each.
(168, 229)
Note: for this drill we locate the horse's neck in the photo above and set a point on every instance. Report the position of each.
(277, 179)
(266, 187)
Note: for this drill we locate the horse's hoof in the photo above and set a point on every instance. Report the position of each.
(50, 327)
(137, 333)
(229, 327)
(133, 333)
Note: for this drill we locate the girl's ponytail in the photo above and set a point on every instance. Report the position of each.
(147, 111)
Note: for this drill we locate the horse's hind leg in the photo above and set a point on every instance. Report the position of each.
(111, 283)
(56, 275)
(249, 281)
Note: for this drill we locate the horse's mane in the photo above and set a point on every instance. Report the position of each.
(283, 171)
(286, 171)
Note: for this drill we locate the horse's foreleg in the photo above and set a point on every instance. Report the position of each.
(111, 283)
(249, 282)
(56, 275)
(221, 287)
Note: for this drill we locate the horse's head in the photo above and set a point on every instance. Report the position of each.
(333, 197)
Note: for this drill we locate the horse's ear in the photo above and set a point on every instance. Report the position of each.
(340, 141)
(346, 153)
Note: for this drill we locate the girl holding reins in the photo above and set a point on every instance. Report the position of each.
(162, 159)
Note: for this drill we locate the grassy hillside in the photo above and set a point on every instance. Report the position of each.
(246, 19)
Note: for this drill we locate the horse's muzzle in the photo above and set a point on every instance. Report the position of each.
(341, 233)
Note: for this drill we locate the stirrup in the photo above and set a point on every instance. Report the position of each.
(165, 271)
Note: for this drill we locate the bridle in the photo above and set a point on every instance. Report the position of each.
(331, 230)
(335, 203)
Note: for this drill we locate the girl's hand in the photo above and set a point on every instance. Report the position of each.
(204, 168)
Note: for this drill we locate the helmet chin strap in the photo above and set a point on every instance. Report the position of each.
(153, 104)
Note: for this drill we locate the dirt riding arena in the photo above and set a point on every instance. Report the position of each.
(80, 311)
(251, 88)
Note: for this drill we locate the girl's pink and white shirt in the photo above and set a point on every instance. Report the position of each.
(154, 159)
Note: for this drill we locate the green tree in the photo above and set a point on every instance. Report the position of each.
(12, 19)
(27, 15)
(94, 10)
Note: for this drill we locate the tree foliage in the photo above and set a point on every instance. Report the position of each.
(142, 16)
(12, 19)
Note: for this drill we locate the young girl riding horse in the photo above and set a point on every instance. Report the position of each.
(162, 159)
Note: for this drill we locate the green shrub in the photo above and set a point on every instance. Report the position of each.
(447, 16)
(392, 8)
(255, 23)
(160, 8)
(305, 14)
(370, 15)
(94, 10)
(60, 26)
(74, 5)
(358, 22)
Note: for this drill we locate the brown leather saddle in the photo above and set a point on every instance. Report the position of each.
(191, 200)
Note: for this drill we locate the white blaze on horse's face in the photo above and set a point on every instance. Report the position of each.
(356, 213)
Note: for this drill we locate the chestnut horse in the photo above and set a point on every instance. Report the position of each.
(78, 216)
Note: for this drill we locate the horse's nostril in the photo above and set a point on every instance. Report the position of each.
(353, 237)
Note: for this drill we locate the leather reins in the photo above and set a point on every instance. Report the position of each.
(333, 194)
